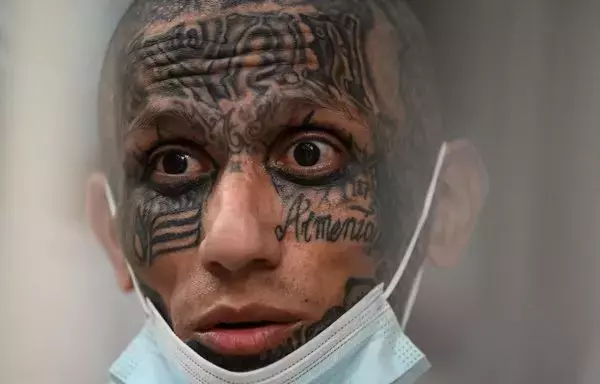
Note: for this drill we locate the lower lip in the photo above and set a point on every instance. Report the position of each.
(246, 341)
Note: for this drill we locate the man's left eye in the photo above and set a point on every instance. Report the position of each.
(310, 155)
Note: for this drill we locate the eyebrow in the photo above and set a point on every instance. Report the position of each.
(200, 114)
(173, 107)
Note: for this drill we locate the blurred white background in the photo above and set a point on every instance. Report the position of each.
(520, 77)
(63, 320)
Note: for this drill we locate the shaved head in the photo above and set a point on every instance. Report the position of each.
(397, 55)
(268, 151)
(397, 70)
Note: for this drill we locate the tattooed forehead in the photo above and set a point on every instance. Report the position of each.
(226, 57)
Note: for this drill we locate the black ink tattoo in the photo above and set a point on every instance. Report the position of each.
(166, 233)
(164, 225)
(157, 300)
(352, 189)
(224, 57)
(213, 67)
(309, 226)
(315, 57)
(355, 290)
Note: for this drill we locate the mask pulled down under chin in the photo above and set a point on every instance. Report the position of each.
(365, 345)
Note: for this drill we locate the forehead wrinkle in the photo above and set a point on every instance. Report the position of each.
(210, 82)
(189, 54)
(218, 30)
(204, 13)
(189, 57)
(152, 50)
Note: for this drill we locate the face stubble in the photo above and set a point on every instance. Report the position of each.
(313, 56)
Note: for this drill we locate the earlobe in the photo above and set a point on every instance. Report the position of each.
(459, 199)
(103, 224)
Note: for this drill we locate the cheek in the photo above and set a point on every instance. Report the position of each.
(327, 234)
(158, 235)
(163, 276)
(323, 260)
(320, 270)
(155, 225)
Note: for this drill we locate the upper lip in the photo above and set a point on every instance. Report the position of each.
(246, 314)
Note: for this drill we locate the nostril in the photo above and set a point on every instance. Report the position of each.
(237, 239)
(217, 269)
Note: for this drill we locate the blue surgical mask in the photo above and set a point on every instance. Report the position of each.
(365, 345)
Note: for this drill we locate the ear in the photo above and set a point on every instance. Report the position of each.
(459, 198)
(103, 224)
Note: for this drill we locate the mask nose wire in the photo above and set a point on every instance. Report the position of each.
(420, 224)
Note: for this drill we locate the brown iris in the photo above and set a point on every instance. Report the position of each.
(309, 155)
(176, 164)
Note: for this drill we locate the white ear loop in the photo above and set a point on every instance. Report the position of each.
(414, 291)
(138, 291)
(110, 199)
(422, 219)
(136, 287)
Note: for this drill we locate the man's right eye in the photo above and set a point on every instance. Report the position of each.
(175, 164)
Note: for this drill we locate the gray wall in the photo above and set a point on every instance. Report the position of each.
(521, 77)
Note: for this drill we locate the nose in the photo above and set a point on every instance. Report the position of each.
(239, 224)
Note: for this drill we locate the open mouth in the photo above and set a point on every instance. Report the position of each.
(246, 338)
(248, 330)
(245, 325)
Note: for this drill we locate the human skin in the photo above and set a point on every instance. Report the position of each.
(267, 154)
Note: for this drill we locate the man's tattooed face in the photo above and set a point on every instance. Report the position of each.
(250, 193)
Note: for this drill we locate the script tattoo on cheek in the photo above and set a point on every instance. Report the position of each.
(309, 226)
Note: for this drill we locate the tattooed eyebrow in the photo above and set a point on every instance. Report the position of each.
(308, 118)
(172, 108)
